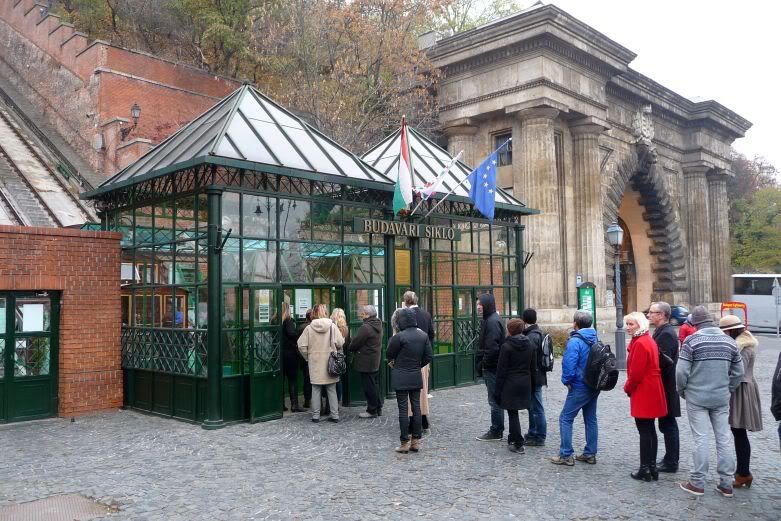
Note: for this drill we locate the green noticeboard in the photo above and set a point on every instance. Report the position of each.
(587, 300)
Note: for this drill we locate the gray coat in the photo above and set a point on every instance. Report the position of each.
(745, 409)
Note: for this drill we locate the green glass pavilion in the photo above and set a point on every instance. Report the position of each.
(248, 207)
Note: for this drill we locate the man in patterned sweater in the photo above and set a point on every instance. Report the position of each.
(709, 370)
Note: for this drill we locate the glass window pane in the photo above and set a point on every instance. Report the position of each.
(378, 265)
(350, 213)
(259, 216)
(31, 356)
(144, 230)
(231, 260)
(230, 213)
(259, 261)
(357, 265)
(202, 248)
(33, 314)
(203, 214)
(442, 268)
(164, 222)
(186, 271)
(230, 307)
(327, 222)
(164, 260)
(468, 269)
(465, 244)
(143, 308)
(310, 262)
(481, 237)
(294, 219)
(185, 218)
(203, 307)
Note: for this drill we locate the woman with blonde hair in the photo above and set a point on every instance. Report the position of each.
(745, 409)
(340, 319)
(318, 340)
(645, 390)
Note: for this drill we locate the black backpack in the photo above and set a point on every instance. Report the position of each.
(546, 349)
(600, 373)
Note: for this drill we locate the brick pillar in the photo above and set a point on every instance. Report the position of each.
(698, 234)
(589, 229)
(461, 137)
(535, 182)
(718, 207)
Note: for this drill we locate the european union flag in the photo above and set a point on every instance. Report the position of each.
(483, 184)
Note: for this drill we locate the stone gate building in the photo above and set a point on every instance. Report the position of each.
(593, 142)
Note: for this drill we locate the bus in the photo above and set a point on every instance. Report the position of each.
(756, 291)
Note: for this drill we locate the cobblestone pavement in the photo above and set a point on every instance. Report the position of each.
(154, 468)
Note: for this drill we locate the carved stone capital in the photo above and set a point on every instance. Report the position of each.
(548, 114)
(717, 175)
(695, 170)
(460, 130)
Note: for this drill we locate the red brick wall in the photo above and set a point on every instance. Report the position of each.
(84, 267)
(81, 85)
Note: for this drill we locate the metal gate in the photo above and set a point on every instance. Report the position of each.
(28, 352)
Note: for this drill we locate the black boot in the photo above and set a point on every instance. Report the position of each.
(294, 407)
(642, 474)
(307, 404)
(654, 472)
(667, 467)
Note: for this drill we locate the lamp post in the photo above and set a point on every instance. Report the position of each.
(135, 113)
(615, 236)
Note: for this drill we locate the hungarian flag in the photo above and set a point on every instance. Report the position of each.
(402, 196)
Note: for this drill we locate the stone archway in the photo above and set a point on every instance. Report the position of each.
(666, 257)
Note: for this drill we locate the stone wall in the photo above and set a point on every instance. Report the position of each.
(84, 266)
(86, 88)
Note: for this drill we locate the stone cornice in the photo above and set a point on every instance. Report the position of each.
(539, 82)
(540, 43)
(527, 24)
(639, 89)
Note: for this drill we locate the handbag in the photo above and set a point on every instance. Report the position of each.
(337, 364)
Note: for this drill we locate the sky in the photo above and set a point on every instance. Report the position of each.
(726, 51)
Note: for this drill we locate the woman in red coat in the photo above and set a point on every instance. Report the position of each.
(645, 390)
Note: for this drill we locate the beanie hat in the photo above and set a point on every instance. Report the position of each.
(515, 326)
(701, 315)
(529, 316)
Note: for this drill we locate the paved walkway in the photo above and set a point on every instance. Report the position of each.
(153, 468)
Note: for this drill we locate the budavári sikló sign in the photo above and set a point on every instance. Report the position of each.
(426, 231)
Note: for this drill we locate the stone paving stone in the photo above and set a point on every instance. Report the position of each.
(155, 468)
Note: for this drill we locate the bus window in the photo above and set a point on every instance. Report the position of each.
(753, 286)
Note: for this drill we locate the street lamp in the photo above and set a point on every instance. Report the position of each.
(135, 113)
(615, 236)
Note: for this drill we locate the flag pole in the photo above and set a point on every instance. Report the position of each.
(462, 181)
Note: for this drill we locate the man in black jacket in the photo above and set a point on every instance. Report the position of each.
(775, 400)
(366, 349)
(538, 425)
(667, 341)
(492, 336)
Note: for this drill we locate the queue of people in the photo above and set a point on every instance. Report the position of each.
(707, 365)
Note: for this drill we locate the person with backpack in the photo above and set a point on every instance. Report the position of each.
(580, 396)
(543, 347)
(645, 391)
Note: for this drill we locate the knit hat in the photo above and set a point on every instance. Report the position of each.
(701, 315)
(730, 322)
(515, 326)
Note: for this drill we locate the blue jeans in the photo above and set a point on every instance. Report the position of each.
(538, 426)
(497, 413)
(577, 399)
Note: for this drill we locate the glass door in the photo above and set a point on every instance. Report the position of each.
(466, 332)
(355, 299)
(28, 350)
(264, 353)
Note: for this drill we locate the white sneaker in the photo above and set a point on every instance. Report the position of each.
(366, 415)
(429, 396)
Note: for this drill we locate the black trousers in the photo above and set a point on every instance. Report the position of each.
(516, 434)
(369, 382)
(404, 420)
(307, 383)
(742, 452)
(649, 444)
(672, 444)
(290, 369)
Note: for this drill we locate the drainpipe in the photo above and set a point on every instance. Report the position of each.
(214, 323)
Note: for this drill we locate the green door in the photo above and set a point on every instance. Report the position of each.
(466, 330)
(264, 353)
(28, 350)
(356, 298)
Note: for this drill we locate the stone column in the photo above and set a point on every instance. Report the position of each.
(535, 183)
(718, 207)
(698, 234)
(461, 137)
(588, 228)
